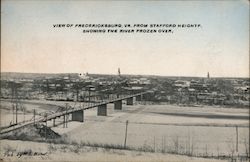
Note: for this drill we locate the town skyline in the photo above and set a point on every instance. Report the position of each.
(125, 74)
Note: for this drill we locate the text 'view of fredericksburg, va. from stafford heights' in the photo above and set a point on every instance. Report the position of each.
(126, 81)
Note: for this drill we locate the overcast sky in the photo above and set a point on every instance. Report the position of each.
(29, 43)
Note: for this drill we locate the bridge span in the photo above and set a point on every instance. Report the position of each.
(78, 113)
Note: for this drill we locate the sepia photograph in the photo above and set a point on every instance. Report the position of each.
(124, 81)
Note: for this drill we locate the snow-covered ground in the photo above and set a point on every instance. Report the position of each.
(204, 130)
(156, 130)
(51, 152)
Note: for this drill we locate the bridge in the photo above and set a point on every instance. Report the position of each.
(77, 114)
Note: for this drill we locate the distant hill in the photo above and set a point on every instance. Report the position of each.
(16, 75)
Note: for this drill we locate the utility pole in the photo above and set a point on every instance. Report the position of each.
(34, 116)
(15, 90)
(12, 100)
(16, 112)
(125, 141)
(162, 144)
(89, 94)
(46, 127)
(154, 143)
(13, 111)
(23, 114)
(237, 140)
(66, 115)
(64, 119)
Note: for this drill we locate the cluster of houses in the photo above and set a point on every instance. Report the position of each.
(206, 91)
(219, 91)
(70, 88)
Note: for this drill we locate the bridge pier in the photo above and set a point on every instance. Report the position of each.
(130, 101)
(78, 116)
(145, 97)
(138, 98)
(54, 122)
(118, 105)
(102, 110)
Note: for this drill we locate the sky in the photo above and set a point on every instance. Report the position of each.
(29, 43)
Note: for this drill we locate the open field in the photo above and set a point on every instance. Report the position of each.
(147, 127)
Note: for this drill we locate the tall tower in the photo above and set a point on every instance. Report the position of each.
(208, 76)
(119, 72)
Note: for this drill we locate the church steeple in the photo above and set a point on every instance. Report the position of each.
(119, 72)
